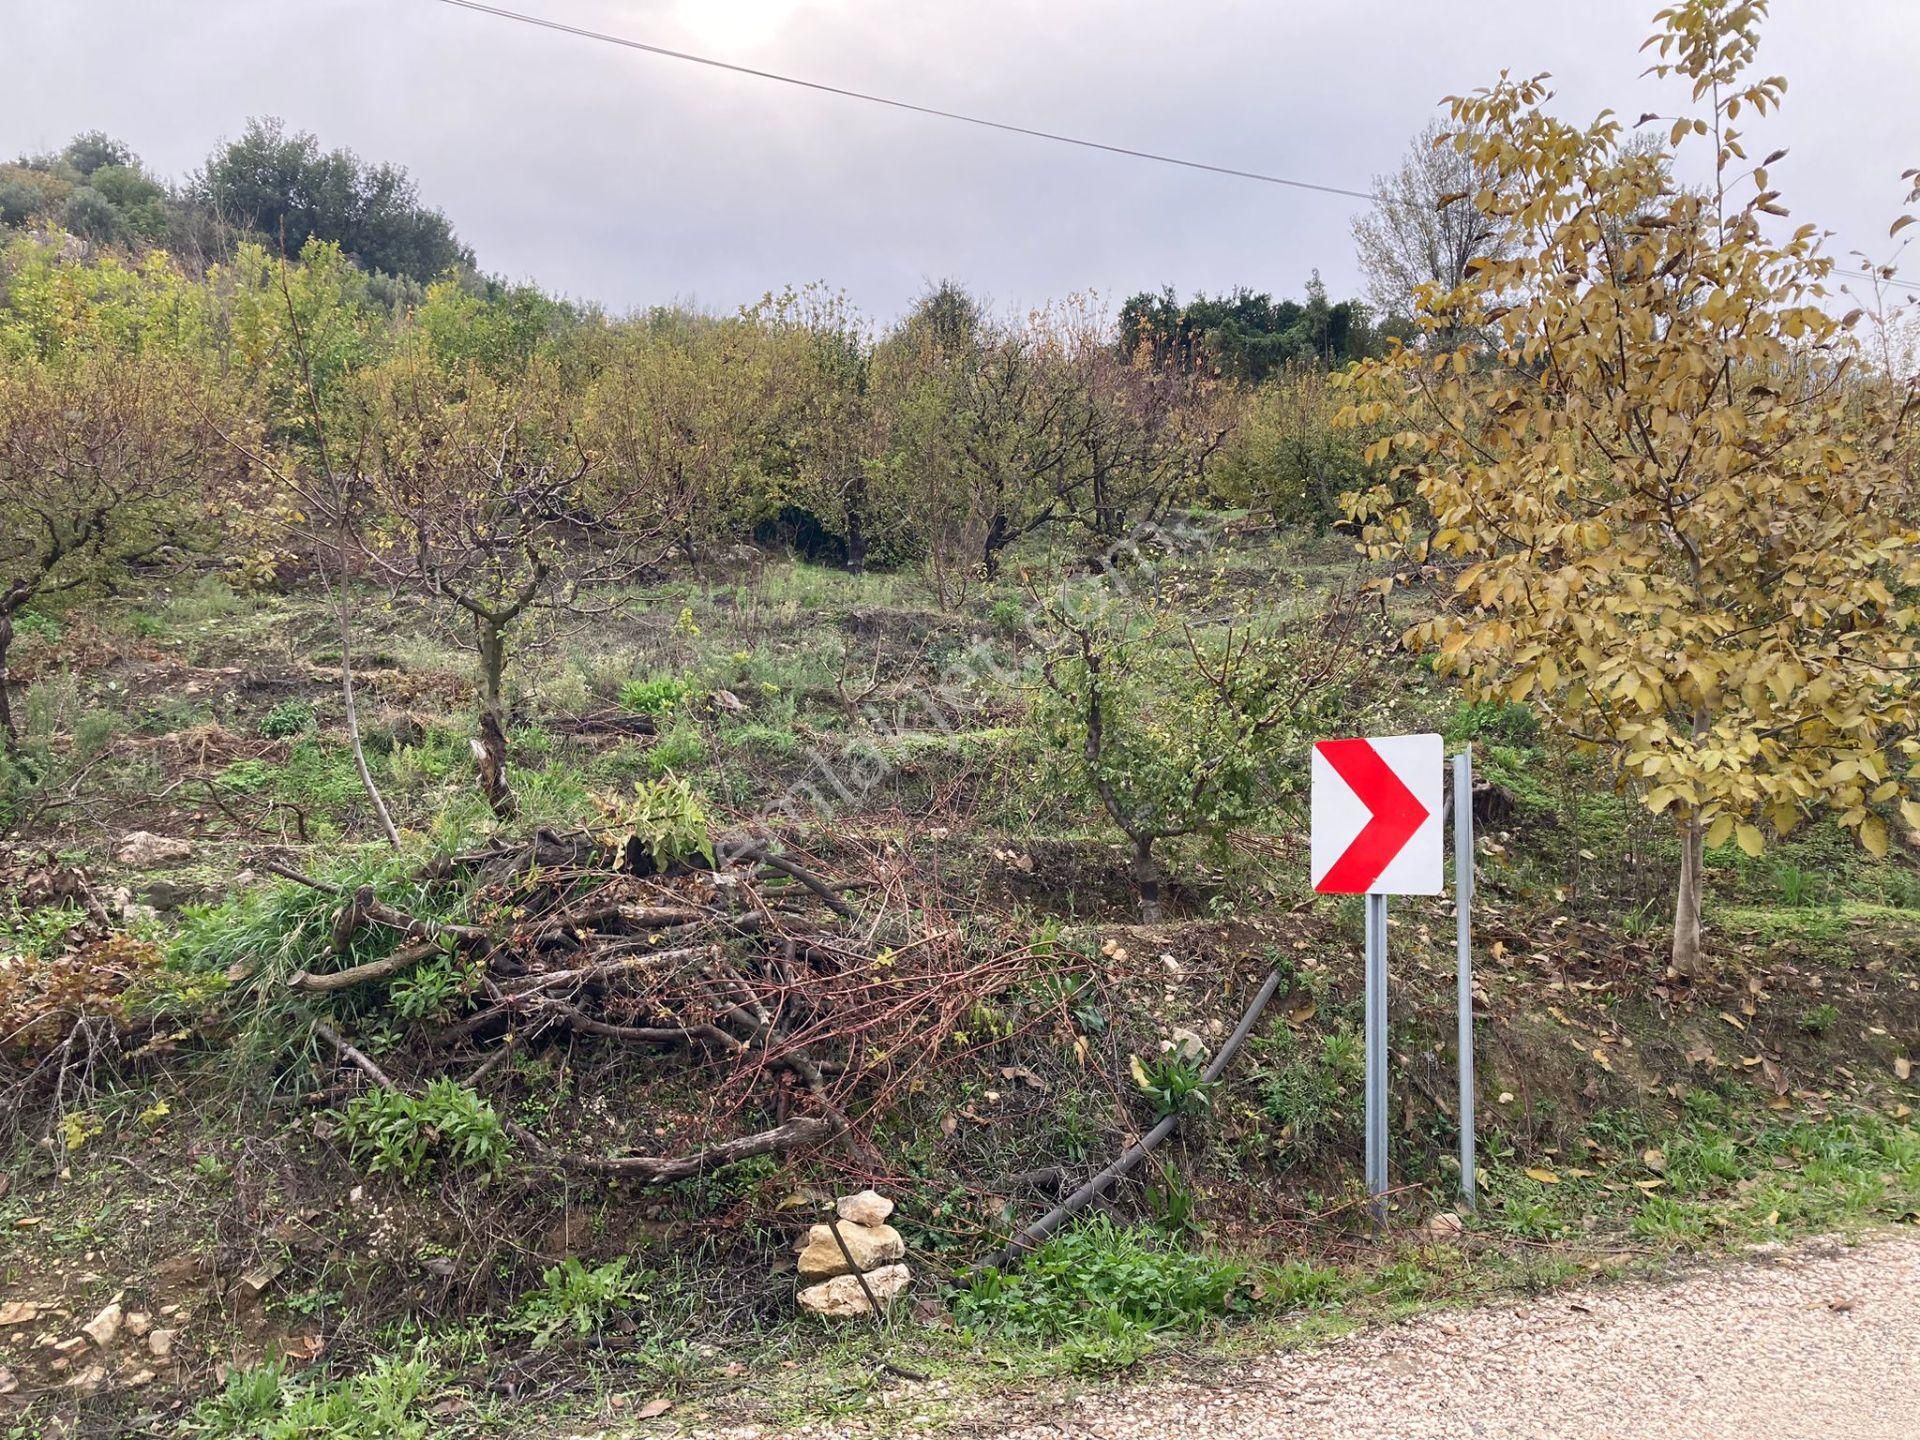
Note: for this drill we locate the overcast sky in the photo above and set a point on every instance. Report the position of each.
(631, 180)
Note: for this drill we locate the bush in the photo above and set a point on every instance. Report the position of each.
(669, 818)
(287, 719)
(409, 1136)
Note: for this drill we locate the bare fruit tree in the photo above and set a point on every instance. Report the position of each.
(1425, 228)
(477, 493)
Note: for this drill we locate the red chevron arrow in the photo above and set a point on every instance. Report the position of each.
(1397, 813)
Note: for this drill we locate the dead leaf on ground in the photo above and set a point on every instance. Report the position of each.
(659, 1405)
(1545, 1177)
(1655, 1159)
(1902, 1067)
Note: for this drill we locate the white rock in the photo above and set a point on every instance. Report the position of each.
(104, 1328)
(869, 1207)
(870, 1245)
(143, 847)
(160, 1343)
(841, 1298)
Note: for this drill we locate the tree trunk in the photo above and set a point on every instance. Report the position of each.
(856, 527)
(999, 536)
(380, 810)
(1687, 962)
(1146, 879)
(490, 749)
(8, 732)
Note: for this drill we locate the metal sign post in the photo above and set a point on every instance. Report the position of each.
(1377, 1053)
(1463, 945)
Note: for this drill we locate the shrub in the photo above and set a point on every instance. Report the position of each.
(654, 694)
(287, 719)
(669, 818)
(409, 1136)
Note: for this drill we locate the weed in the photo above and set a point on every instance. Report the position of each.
(655, 694)
(573, 1299)
(287, 719)
(1307, 1089)
(263, 1403)
(408, 1136)
(1174, 1082)
(1085, 1279)
(677, 750)
(1820, 1019)
(1300, 1285)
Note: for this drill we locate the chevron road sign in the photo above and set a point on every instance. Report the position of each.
(1376, 816)
(1377, 831)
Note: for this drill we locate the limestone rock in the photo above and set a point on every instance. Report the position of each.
(160, 1343)
(104, 1328)
(870, 1245)
(869, 1207)
(144, 848)
(841, 1298)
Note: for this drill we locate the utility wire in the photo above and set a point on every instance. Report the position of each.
(627, 42)
(895, 104)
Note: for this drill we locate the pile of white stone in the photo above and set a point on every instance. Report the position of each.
(830, 1285)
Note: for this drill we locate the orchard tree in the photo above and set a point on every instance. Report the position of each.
(1676, 506)
(100, 456)
(474, 492)
(1181, 727)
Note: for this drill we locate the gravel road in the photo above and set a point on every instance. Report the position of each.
(1817, 1343)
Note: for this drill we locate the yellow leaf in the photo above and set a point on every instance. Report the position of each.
(1719, 832)
(1749, 838)
(1545, 1177)
(1873, 835)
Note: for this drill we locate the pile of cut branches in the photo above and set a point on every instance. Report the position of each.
(791, 1004)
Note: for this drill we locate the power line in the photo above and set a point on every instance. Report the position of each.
(895, 104)
(665, 52)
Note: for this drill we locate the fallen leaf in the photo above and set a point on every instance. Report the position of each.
(1649, 1184)
(659, 1405)
(1655, 1159)
(1902, 1067)
(1840, 1305)
(1545, 1177)
(1302, 1012)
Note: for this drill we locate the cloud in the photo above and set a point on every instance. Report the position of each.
(631, 179)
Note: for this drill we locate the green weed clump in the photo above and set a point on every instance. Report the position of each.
(386, 1402)
(1308, 1087)
(411, 1136)
(1103, 1292)
(287, 719)
(654, 694)
(573, 1299)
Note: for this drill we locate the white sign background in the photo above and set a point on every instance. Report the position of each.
(1339, 815)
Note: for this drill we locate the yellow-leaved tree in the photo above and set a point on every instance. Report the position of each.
(1675, 503)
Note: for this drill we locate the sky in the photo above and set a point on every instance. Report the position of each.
(632, 180)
